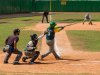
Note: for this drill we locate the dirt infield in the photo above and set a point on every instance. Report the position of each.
(74, 61)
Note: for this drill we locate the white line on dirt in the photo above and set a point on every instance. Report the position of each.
(62, 44)
(87, 63)
(93, 61)
(78, 64)
(57, 49)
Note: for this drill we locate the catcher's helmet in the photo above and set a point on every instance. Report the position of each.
(52, 23)
(33, 36)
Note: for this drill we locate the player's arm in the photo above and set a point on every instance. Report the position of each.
(41, 36)
(57, 29)
(15, 45)
(6, 41)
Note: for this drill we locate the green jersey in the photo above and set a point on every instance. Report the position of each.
(51, 34)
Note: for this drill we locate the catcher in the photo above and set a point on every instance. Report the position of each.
(31, 47)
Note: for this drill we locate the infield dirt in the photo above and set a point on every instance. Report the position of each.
(74, 61)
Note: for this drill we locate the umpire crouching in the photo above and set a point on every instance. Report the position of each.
(45, 15)
(11, 47)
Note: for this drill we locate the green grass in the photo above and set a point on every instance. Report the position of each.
(73, 17)
(84, 40)
(7, 26)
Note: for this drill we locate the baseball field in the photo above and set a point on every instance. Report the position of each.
(78, 44)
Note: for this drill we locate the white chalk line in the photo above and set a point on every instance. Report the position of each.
(87, 63)
(95, 61)
(57, 49)
(78, 64)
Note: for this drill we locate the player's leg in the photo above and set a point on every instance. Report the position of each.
(49, 43)
(46, 54)
(42, 18)
(84, 20)
(8, 54)
(47, 19)
(34, 56)
(24, 58)
(19, 55)
(27, 55)
(54, 51)
(90, 22)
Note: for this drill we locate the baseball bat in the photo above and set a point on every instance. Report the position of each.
(70, 24)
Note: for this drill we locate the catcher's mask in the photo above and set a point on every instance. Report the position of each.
(34, 37)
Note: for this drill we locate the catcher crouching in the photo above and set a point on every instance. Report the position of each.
(30, 50)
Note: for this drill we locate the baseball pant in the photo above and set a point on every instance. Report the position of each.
(8, 54)
(90, 22)
(44, 16)
(50, 43)
(33, 55)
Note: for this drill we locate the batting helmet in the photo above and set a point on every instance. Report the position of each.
(52, 23)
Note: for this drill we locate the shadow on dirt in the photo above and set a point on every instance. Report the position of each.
(39, 63)
(72, 59)
(3, 22)
(27, 20)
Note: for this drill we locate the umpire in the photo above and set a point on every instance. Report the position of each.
(11, 42)
(45, 15)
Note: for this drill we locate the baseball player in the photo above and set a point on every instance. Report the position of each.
(87, 18)
(50, 36)
(45, 15)
(30, 49)
(11, 47)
